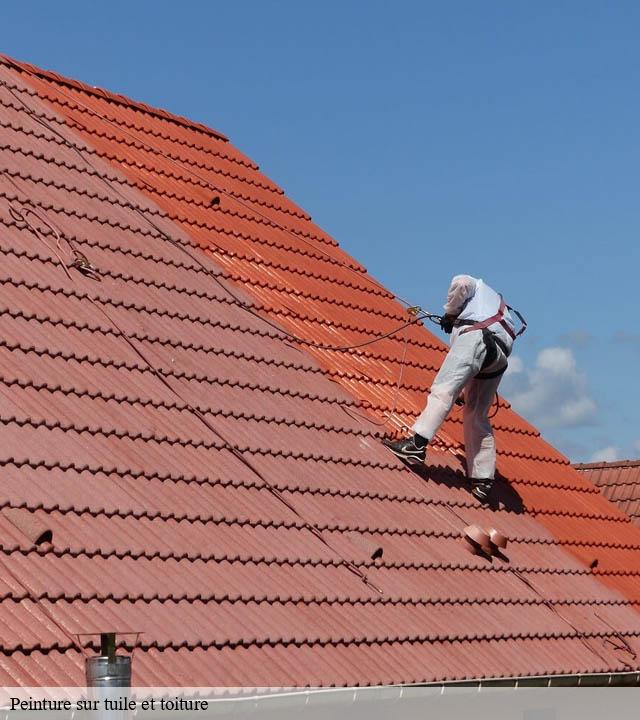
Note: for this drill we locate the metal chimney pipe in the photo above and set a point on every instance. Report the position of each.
(108, 645)
(108, 678)
(108, 669)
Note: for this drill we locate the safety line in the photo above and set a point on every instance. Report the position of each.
(418, 313)
(241, 303)
(418, 316)
(19, 215)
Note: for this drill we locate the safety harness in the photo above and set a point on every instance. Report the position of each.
(491, 340)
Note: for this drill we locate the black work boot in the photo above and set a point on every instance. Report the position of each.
(412, 450)
(481, 488)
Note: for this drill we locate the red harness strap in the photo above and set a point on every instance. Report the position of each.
(497, 318)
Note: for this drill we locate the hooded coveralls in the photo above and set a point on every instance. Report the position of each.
(469, 299)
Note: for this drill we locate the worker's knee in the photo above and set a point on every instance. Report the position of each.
(443, 393)
(478, 423)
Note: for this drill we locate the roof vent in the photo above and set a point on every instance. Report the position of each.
(477, 540)
(29, 524)
(498, 539)
(482, 542)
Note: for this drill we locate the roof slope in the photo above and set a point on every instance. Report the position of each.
(619, 481)
(222, 490)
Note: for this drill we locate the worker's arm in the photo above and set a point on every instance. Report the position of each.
(462, 288)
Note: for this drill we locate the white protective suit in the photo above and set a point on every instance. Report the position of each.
(470, 299)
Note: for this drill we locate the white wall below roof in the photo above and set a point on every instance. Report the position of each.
(377, 703)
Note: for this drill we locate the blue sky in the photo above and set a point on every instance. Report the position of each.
(500, 139)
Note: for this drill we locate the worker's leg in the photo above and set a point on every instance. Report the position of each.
(479, 443)
(462, 362)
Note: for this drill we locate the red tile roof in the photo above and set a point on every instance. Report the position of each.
(619, 481)
(223, 491)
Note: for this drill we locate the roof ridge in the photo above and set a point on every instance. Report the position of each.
(112, 97)
(603, 464)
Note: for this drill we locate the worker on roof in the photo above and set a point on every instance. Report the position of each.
(482, 334)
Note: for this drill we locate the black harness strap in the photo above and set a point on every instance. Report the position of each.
(492, 342)
(491, 375)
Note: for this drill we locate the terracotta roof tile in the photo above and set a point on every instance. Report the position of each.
(618, 481)
(222, 492)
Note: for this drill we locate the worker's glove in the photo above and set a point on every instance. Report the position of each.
(446, 323)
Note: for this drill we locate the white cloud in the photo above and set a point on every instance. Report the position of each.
(559, 361)
(607, 454)
(554, 393)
